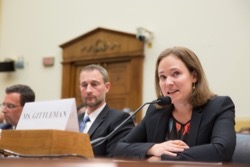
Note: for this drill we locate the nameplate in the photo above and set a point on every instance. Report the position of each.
(55, 114)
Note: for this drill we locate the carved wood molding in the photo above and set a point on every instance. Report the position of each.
(100, 45)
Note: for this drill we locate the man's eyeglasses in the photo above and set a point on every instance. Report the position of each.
(8, 106)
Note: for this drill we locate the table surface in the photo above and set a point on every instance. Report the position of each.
(78, 162)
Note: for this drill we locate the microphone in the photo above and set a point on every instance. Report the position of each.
(160, 101)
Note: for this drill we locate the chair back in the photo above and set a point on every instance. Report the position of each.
(242, 149)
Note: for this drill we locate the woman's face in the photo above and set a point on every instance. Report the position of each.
(175, 80)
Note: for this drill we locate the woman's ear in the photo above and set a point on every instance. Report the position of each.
(195, 76)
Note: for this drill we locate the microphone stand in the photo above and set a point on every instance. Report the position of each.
(100, 140)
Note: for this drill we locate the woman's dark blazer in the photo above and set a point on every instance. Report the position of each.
(212, 136)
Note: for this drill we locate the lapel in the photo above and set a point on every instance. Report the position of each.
(194, 124)
(162, 122)
(100, 118)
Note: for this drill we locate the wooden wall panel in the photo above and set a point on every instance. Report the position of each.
(119, 52)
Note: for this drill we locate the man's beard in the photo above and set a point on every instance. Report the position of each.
(92, 104)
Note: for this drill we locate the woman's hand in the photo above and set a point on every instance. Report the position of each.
(154, 158)
(170, 147)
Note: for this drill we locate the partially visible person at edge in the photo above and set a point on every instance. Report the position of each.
(15, 98)
(94, 84)
(1, 117)
(197, 126)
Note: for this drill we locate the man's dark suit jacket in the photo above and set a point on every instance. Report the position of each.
(212, 136)
(5, 126)
(104, 124)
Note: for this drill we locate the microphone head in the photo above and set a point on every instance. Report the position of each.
(164, 100)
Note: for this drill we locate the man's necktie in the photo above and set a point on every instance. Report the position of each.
(83, 123)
